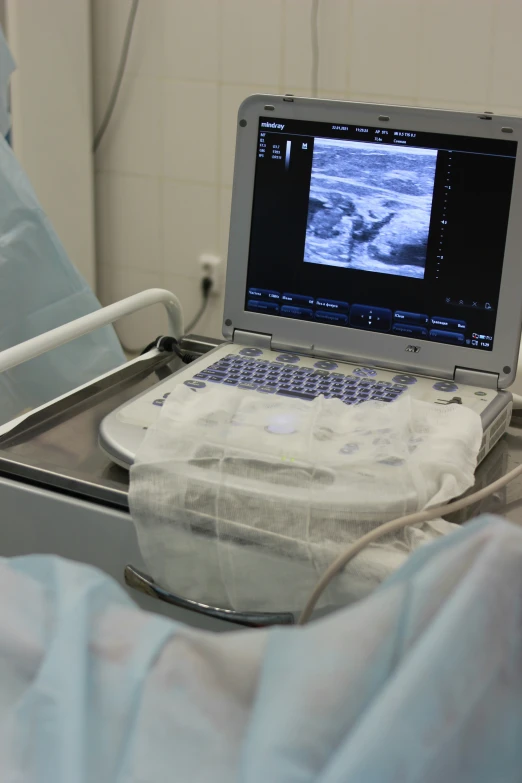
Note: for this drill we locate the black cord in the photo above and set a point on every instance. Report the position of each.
(119, 77)
(206, 285)
(170, 343)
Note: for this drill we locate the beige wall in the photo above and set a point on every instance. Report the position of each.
(52, 115)
(164, 171)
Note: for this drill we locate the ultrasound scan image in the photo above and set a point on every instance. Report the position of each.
(370, 206)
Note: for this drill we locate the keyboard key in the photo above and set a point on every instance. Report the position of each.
(192, 384)
(201, 375)
(216, 378)
(251, 386)
(267, 389)
(325, 365)
(231, 381)
(298, 395)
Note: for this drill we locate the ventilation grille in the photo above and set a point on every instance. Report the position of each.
(493, 434)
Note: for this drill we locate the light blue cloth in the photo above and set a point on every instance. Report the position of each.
(7, 66)
(39, 289)
(420, 682)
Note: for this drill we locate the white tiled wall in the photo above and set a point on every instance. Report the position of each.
(164, 170)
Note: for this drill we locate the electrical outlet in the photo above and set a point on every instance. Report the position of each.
(210, 266)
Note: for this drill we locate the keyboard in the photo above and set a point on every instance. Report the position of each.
(285, 377)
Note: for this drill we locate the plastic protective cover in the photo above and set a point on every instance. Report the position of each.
(242, 500)
(40, 290)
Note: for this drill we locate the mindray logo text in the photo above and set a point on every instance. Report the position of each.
(272, 125)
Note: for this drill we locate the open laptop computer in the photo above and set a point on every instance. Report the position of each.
(374, 251)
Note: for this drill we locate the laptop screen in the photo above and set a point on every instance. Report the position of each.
(382, 229)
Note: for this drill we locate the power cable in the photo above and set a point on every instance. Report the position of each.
(206, 285)
(119, 77)
(392, 527)
(314, 29)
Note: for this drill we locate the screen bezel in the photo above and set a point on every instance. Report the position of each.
(379, 349)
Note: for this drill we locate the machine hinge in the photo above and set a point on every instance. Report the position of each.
(487, 380)
(255, 339)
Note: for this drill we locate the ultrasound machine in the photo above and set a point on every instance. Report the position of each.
(373, 253)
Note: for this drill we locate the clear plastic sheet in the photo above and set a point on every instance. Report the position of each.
(40, 290)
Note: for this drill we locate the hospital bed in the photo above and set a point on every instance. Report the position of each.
(60, 494)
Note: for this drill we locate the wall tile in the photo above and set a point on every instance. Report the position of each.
(190, 219)
(334, 26)
(455, 47)
(384, 44)
(133, 141)
(191, 131)
(505, 91)
(137, 330)
(231, 96)
(251, 41)
(192, 39)
(128, 221)
(297, 56)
